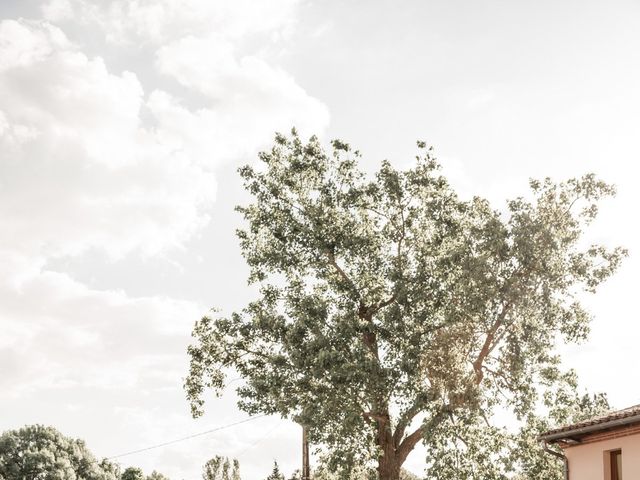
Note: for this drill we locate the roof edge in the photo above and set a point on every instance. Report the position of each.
(620, 422)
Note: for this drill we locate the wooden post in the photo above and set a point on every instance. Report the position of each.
(306, 471)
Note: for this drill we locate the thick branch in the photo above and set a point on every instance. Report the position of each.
(404, 422)
(334, 263)
(490, 343)
(409, 443)
(373, 416)
(376, 308)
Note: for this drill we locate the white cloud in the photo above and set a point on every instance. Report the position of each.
(243, 96)
(96, 364)
(107, 368)
(93, 160)
(78, 169)
(222, 52)
(159, 21)
(57, 10)
(23, 46)
(69, 333)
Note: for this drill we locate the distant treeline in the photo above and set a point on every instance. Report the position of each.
(37, 451)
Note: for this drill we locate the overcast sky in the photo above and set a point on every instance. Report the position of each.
(122, 124)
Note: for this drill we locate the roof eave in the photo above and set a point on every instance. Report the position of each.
(576, 432)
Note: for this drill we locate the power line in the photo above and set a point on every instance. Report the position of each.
(171, 442)
(250, 446)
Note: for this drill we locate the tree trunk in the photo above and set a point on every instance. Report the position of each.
(389, 462)
(389, 467)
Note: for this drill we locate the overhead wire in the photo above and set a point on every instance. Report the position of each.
(239, 454)
(188, 437)
(259, 440)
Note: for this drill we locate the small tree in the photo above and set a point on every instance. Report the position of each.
(221, 468)
(295, 475)
(157, 476)
(132, 473)
(389, 308)
(275, 472)
(36, 451)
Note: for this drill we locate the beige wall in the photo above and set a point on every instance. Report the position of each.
(587, 462)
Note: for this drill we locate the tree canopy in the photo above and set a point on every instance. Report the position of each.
(132, 473)
(390, 308)
(39, 452)
(221, 468)
(157, 476)
(471, 448)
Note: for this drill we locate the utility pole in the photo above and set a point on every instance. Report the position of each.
(306, 471)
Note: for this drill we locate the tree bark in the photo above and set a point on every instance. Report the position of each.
(389, 465)
(390, 461)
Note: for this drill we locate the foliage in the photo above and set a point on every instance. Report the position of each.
(275, 472)
(220, 468)
(132, 473)
(407, 475)
(565, 406)
(156, 476)
(39, 452)
(390, 310)
(359, 472)
(296, 475)
(110, 467)
(476, 450)
(135, 473)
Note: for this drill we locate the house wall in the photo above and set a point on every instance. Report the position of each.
(589, 460)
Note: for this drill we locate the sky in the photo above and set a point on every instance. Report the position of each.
(122, 124)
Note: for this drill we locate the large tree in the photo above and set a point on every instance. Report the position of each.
(388, 305)
(38, 452)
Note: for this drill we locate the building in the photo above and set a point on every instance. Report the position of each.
(606, 447)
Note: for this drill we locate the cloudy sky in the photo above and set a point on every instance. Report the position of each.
(122, 123)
